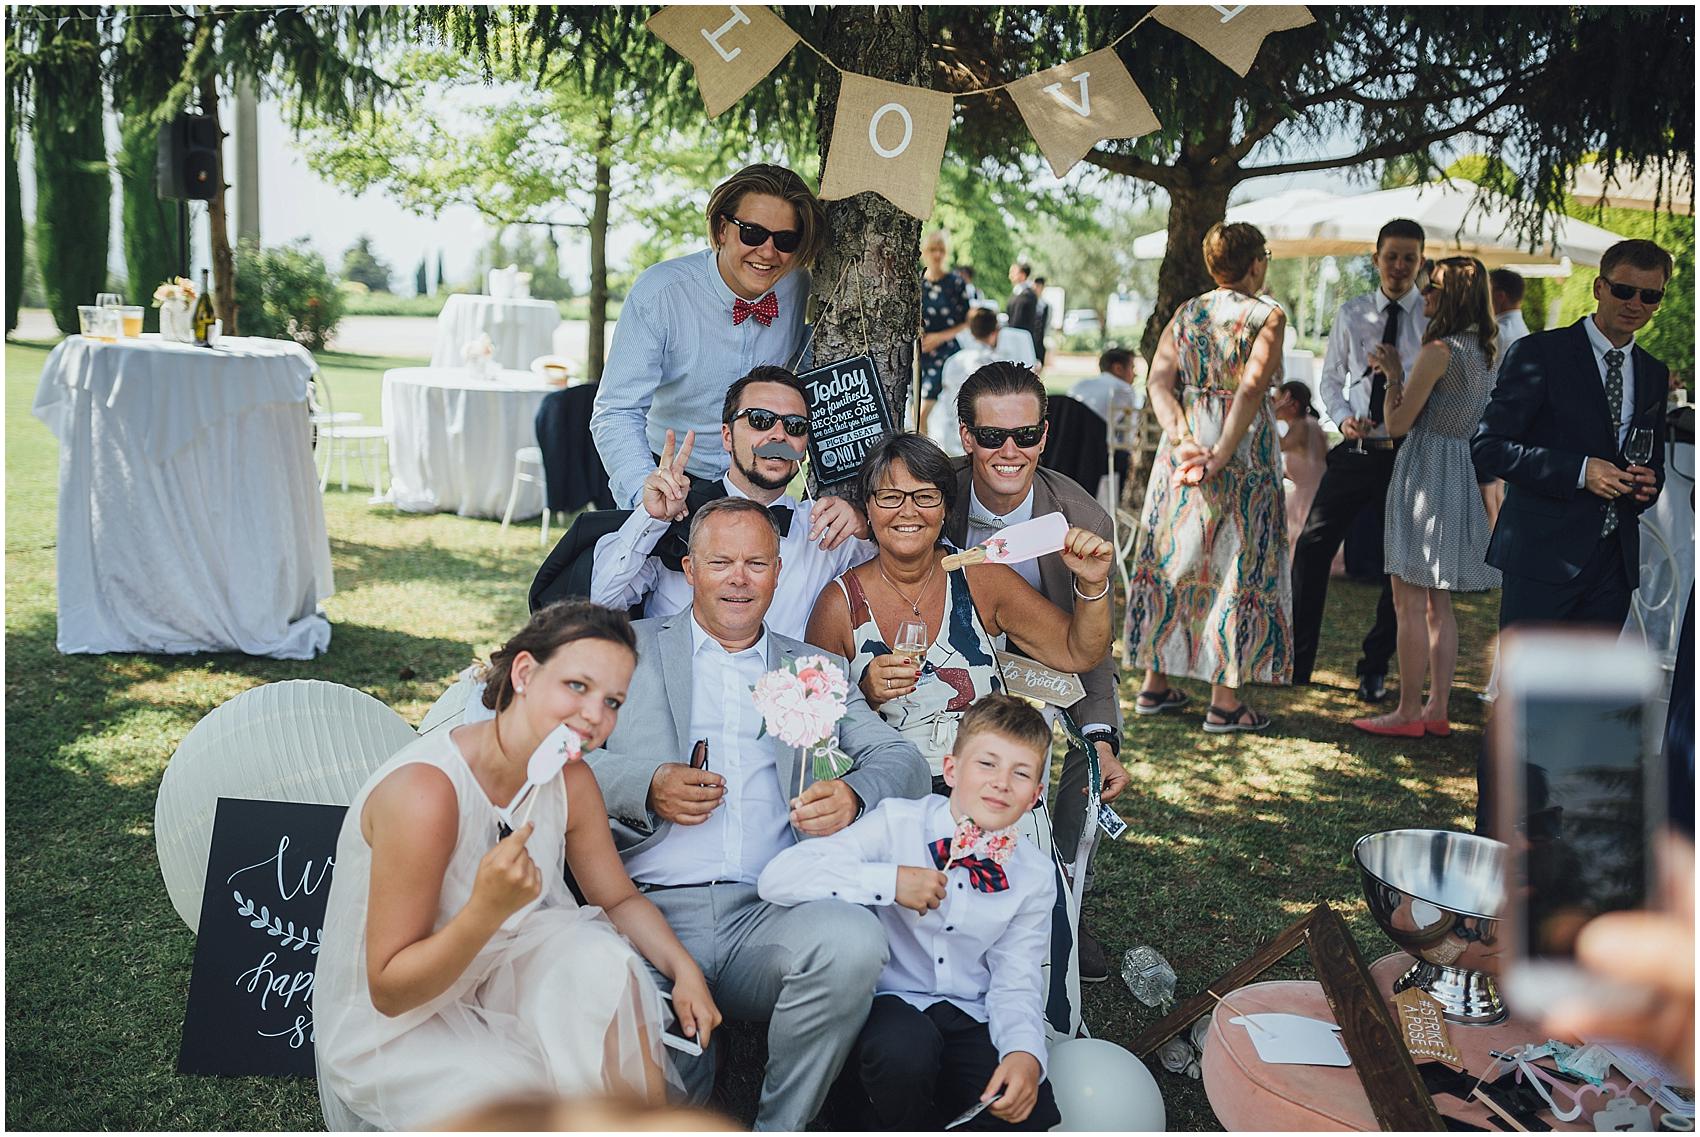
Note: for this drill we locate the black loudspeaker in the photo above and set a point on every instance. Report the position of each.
(189, 158)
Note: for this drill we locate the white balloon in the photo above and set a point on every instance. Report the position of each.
(1101, 1088)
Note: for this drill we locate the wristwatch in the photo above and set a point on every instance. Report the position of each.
(1107, 734)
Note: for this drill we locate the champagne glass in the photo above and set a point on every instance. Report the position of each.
(912, 640)
(1638, 447)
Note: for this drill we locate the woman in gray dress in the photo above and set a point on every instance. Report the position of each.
(1437, 529)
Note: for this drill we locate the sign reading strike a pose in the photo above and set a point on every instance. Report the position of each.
(262, 913)
(847, 417)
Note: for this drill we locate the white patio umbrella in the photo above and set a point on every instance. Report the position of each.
(1627, 191)
(1262, 213)
(1448, 212)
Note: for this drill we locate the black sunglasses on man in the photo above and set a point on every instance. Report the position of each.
(992, 437)
(760, 418)
(753, 235)
(1651, 297)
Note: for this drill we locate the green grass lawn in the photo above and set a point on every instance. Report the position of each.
(1229, 840)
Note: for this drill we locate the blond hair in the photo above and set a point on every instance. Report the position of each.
(1008, 716)
(1230, 249)
(774, 181)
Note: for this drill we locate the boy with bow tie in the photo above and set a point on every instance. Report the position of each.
(958, 1013)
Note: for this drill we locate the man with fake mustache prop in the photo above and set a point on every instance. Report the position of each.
(764, 430)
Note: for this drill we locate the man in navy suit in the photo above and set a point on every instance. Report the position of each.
(1562, 412)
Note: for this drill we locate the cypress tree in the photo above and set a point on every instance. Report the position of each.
(73, 203)
(14, 219)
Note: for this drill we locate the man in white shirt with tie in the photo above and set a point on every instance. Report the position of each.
(696, 834)
(1359, 469)
(692, 325)
(764, 412)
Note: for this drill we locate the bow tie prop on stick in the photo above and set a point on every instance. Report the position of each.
(765, 310)
(983, 854)
(1017, 543)
(559, 746)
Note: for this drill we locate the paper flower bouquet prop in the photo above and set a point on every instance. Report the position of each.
(800, 704)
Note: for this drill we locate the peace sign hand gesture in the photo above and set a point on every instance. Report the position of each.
(665, 489)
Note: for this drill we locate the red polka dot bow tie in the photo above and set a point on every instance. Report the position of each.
(765, 310)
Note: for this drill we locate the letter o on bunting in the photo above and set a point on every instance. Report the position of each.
(731, 46)
(889, 139)
(1074, 106)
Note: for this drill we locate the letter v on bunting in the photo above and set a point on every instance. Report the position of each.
(1074, 106)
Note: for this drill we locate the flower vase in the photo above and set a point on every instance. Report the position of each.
(176, 321)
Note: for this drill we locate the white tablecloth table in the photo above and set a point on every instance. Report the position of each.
(521, 330)
(453, 437)
(189, 509)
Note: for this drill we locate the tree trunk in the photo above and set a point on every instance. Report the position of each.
(599, 243)
(14, 217)
(73, 205)
(1193, 209)
(151, 245)
(874, 247)
(218, 221)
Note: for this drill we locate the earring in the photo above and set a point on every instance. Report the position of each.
(519, 689)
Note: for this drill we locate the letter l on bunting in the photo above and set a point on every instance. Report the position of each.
(1073, 106)
(1233, 33)
(731, 46)
(888, 138)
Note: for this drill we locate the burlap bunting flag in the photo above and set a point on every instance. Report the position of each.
(732, 46)
(1076, 105)
(1233, 33)
(888, 138)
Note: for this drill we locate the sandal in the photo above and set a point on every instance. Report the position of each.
(1234, 719)
(1165, 700)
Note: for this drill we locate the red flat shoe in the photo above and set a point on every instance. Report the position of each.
(1439, 728)
(1400, 730)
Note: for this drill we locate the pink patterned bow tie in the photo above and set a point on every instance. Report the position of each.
(765, 310)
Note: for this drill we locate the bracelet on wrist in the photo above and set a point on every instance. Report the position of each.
(1102, 592)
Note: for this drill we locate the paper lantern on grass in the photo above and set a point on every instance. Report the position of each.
(1102, 1088)
(302, 740)
(450, 707)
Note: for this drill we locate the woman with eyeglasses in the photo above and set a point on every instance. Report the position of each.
(1209, 597)
(907, 487)
(1436, 533)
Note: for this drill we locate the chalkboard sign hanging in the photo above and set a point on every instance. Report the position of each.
(262, 917)
(848, 417)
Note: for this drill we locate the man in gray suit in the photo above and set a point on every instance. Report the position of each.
(695, 835)
(1001, 411)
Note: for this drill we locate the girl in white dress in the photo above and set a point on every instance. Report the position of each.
(456, 965)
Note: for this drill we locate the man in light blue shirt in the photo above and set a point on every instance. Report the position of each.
(693, 325)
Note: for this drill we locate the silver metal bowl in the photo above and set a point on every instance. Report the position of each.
(1438, 895)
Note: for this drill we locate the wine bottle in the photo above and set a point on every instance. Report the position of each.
(203, 316)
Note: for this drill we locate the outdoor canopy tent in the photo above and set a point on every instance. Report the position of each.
(1631, 191)
(1456, 224)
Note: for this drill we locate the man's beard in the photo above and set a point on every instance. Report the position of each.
(761, 481)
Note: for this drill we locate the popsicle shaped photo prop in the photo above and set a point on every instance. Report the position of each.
(1017, 543)
(559, 746)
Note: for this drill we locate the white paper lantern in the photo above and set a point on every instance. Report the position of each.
(302, 740)
(451, 704)
(1102, 1088)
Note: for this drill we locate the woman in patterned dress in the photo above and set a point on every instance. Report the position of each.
(1437, 528)
(944, 316)
(1209, 597)
(907, 487)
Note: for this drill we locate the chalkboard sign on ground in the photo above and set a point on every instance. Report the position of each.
(262, 916)
(848, 417)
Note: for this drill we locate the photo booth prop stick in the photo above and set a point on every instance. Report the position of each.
(262, 914)
(888, 138)
(732, 46)
(1074, 106)
(1024, 542)
(559, 746)
(1233, 33)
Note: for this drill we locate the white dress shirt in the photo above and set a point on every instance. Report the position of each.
(753, 822)
(981, 951)
(1357, 330)
(1625, 409)
(675, 352)
(625, 573)
(1105, 394)
(1512, 327)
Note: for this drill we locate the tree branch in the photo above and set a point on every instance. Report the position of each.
(1129, 166)
(1389, 149)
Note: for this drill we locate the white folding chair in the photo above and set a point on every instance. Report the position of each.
(528, 470)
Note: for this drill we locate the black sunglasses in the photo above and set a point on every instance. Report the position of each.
(1649, 296)
(762, 419)
(992, 437)
(753, 235)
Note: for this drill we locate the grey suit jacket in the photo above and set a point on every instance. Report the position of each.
(655, 724)
(1053, 492)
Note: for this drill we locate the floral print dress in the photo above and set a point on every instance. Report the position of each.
(1210, 596)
